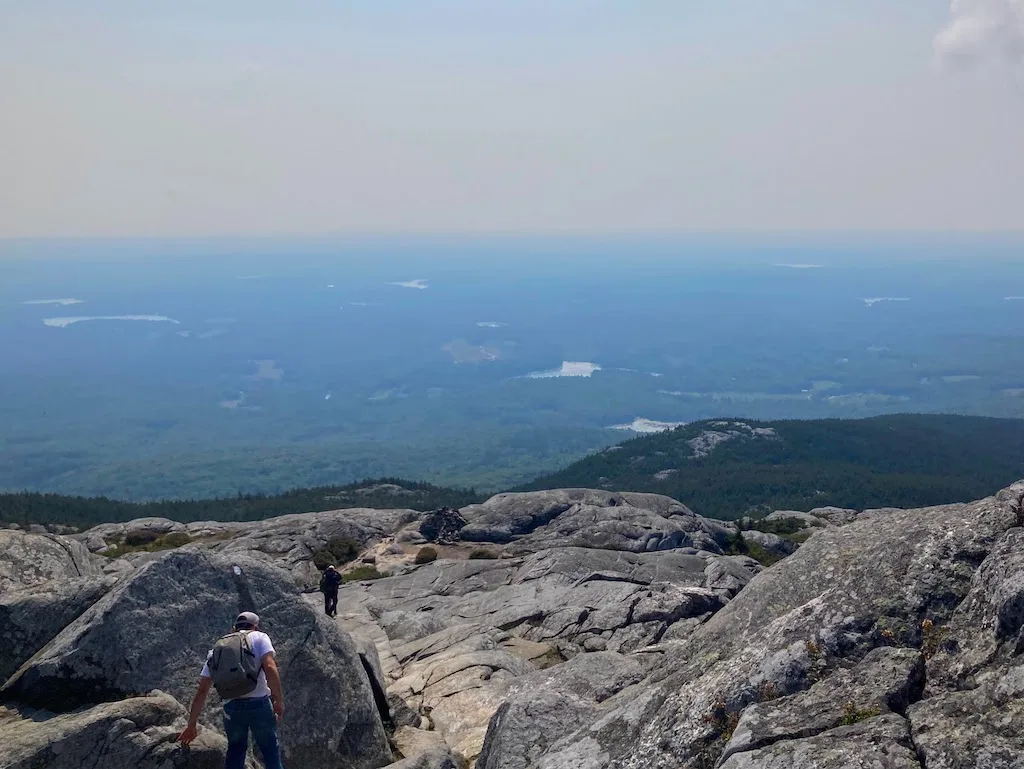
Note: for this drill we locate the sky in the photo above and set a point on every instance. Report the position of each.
(186, 118)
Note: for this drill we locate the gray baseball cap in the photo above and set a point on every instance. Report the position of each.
(247, 618)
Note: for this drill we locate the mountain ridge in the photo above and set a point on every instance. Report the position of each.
(723, 468)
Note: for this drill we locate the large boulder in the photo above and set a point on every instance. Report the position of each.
(32, 616)
(31, 559)
(594, 519)
(139, 733)
(887, 680)
(981, 727)
(541, 708)
(772, 544)
(153, 630)
(145, 531)
(849, 589)
(987, 628)
(290, 541)
(882, 742)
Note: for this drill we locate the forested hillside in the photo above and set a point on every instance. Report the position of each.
(730, 468)
(83, 512)
(720, 468)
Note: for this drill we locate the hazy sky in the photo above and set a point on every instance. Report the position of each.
(121, 117)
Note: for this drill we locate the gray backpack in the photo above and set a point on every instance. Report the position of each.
(233, 665)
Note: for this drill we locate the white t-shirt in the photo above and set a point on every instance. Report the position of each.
(261, 645)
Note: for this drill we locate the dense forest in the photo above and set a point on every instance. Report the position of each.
(891, 461)
(907, 460)
(83, 512)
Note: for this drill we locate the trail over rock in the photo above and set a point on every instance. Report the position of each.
(153, 630)
(570, 629)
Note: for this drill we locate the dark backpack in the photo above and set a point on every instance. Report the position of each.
(330, 582)
(233, 665)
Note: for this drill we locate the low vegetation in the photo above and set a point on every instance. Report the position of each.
(852, 714)
(739, 546)
(335, 553)
(360, 573)
(908, 460)
(168, 541)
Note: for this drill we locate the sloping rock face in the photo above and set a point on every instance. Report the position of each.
(32, 616)
(460, 639)
(154, 628)
(593, 519)
(32, 559)
(139, 733)
(815, 622)
(288, 541)
(606, 631)
(291, 540)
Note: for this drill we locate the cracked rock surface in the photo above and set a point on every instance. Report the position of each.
(603, 631)
(152, 630)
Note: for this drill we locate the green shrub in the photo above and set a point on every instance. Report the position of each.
(336, 552)
(362, 572)
(175, 539)
(762, 556)
(853, 715)
(139, 538)
(169, 541)
(482, 554)
(426, 555)
(781, 527)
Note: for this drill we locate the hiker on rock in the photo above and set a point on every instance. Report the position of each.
(329, 584)
(243, 669)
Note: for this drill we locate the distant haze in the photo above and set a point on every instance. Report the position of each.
(129, 118)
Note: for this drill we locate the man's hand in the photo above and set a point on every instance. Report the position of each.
(190, 733)
(279, 709)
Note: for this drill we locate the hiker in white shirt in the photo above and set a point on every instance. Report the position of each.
(259, 705)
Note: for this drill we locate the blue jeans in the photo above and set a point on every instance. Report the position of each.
(253, 714)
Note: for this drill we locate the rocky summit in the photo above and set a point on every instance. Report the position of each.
(568, 629)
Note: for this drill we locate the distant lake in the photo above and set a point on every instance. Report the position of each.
(273, 363)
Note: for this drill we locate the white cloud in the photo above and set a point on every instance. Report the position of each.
(982, 31)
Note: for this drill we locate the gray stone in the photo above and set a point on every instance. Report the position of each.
(886, 681)
(435, 758)
(139, 733)
(153, 630)
(878, 743)
(32, 616)
(31, 559)
(848, 589)
(982, 728)
(565, 593)
(988, 626)
(594, 519)
(442, 526)
(772, 543)
(140, 531)
(290, 540)
(526, 725)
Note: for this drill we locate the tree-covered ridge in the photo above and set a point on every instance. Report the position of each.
(910, 460)
(83, 512)
(907, 460)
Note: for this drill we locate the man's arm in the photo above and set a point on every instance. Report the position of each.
(197, 707)
(274, 682)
